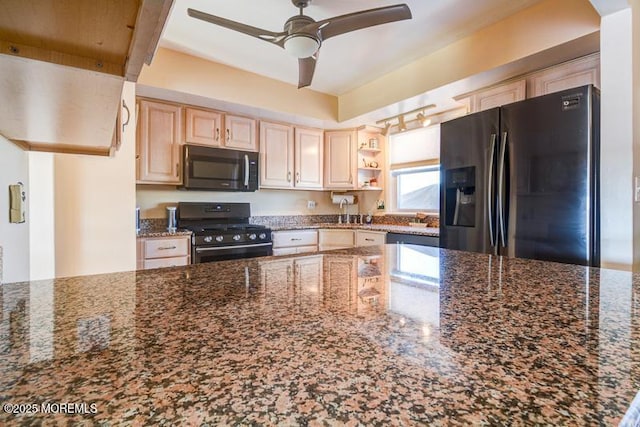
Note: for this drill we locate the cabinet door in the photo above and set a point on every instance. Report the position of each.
(309, 158)
(340, 159)
(240, 133)
(336, 239)
(276, 155)
(580, 72)
(497, 96)
(203, 127)
(159, 143)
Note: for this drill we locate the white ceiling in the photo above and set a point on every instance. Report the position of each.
(346, 61)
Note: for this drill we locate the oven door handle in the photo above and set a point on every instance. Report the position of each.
(221, 248)
(246, 170)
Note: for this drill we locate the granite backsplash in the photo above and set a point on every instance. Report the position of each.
(159, 224)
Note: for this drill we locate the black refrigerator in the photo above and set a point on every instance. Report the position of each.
(523, 180)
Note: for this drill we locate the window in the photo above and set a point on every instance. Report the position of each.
(418, 189)
(415, 170)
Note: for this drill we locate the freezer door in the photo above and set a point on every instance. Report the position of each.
(468, 152)
(550, 177)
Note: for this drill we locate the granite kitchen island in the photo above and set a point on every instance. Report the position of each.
(390, 335)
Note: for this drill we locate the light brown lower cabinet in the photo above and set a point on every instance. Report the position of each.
(159, 252)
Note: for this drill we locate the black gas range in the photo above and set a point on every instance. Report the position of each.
(222, 231)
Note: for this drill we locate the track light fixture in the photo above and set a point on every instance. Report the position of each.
(421, 118)
(387, 126)
(402, 126)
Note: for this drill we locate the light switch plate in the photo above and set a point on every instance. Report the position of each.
(311, 204)
(636, 189)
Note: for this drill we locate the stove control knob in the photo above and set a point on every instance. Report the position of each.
(252, 236)
(219, 238)
(263, 236)
(236, 237)
(208, 239)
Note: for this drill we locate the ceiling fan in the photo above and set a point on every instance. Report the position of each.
(303, 36)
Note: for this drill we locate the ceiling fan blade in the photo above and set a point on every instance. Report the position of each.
(307, 67)
(358, 20)
(266, 35)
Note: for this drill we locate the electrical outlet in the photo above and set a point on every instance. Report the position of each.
(311, 204)
(636, 189)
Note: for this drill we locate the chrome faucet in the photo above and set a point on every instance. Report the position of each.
(343, 201)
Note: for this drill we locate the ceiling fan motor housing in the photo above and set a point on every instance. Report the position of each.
(301, 3)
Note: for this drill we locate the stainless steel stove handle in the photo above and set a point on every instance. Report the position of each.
(492, 152)
(503, 152)
(222, 248)
(246, 170)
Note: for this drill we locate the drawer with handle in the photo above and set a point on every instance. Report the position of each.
(370, 238)
(293, 238)
(166, 262)
(166, 247)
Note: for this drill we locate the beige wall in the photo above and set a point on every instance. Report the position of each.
(185, 73)
(41, 217)
(533, 30)
(95, 209)
(154, 199)
(14, 238)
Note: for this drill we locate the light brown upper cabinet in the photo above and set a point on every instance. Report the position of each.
(290, 158)
(158, 144)
(276, 155)
(64, 63)
(495, 96)
(309, 155)
(240, 133)
(204, 127)
(217, 129)
(340, 159)
(579, 72)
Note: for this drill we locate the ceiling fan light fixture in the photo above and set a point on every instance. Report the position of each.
(301, 45)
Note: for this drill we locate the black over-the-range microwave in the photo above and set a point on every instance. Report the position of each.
(219, 169)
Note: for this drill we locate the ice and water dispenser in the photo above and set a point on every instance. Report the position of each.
(460, 200)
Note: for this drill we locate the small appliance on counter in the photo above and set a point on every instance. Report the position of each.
(221, 231)
(171, 219)
(137, 220)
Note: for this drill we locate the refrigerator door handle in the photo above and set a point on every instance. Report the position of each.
(492, 153)
(502, 155)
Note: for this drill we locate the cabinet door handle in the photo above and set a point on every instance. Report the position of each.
(217, 134)
(369, 240)
(298, 177)
(350, 179)
(178, 170)
(167, 248)
(293, 239)
(228, 135)
(124, 105)
(289, 176)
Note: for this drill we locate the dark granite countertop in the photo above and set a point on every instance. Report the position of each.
(389, 228)
(388, 335)
(163, 233)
